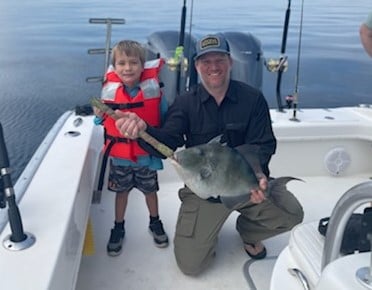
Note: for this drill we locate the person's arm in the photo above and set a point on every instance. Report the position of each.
(365, 32)
(259, 147)
(171, 133)
(251, 154)
(146, 146)
(260, 135)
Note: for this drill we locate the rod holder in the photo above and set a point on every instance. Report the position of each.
(18, 246)
(18, 239)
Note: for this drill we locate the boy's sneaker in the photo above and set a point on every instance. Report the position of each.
(115, 243)
(158, 233)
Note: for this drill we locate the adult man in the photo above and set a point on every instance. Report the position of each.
(365, 32)
(219, 105)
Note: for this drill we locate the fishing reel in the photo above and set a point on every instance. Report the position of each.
(178, 61)
(275, 65)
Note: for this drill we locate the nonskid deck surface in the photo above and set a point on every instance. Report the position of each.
(142, 265)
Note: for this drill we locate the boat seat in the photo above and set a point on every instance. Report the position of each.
(306, 246)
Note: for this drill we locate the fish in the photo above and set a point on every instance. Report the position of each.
(214, 170)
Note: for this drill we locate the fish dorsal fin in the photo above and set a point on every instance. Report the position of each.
(217, 139)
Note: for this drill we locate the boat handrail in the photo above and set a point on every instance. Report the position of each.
(107, 50)
(350, 201)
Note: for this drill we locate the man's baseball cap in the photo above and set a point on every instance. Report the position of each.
(211, 43)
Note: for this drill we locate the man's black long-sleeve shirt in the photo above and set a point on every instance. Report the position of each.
(195, 118)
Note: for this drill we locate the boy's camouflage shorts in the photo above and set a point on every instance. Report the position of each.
(125, 178)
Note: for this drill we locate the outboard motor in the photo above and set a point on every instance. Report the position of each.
(245, 49)
(177, 78)
(247, 55)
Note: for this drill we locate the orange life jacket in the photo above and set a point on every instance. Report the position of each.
(146, 104)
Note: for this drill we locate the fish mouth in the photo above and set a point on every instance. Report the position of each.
(174, 159)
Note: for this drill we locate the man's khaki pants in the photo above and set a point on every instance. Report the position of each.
(200, 221)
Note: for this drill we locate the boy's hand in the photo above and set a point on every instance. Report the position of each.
(98, 112)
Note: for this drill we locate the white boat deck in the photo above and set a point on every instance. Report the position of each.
(143, 266)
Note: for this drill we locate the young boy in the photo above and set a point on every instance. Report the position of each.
(132, 85)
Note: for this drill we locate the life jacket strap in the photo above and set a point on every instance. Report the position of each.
(125, 106)
(106, 154)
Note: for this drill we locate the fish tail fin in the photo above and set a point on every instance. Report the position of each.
(281, 197)
(281, 182)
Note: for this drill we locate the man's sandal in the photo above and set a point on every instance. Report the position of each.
(257, 256)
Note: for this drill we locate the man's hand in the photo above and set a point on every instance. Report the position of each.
(258, 195)
(129, 124)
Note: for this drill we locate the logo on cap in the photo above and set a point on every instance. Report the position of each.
(210, 41)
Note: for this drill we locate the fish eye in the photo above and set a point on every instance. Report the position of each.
(200, 152)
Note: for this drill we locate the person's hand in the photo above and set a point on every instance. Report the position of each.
(129, 124)
(258, 195)
(98, 112)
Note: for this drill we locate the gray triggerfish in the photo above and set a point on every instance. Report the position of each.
(218, 171)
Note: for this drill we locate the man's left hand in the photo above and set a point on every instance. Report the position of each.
(258, 195)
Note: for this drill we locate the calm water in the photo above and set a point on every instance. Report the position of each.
(44, 60)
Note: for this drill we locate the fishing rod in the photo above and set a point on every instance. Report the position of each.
(18, 239)
(192, 78)
(283, 58)
(295, 94)
(179, 54)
